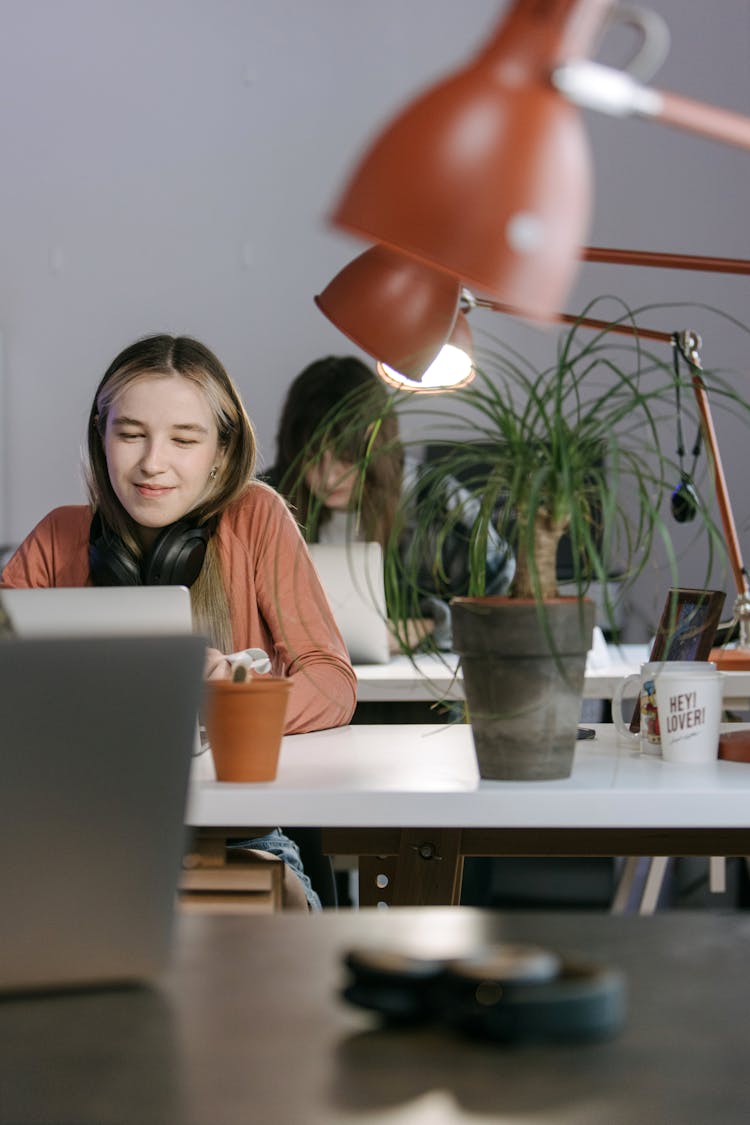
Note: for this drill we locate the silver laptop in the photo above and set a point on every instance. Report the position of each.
(97, 737)
(99, 611)
(352, 577)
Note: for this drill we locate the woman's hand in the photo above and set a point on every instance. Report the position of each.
(216, 666)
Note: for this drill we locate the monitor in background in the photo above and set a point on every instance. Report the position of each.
(97, 737)
(566, 569)
(352, 577)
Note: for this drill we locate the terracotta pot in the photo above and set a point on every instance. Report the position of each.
(523, 678)
(245, 725)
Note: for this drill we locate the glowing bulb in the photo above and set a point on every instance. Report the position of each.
(451, 369)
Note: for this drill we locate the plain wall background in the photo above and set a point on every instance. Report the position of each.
(167, 165)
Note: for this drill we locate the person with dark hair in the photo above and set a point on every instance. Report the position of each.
(334, 410)
(173, 500)
(341, 465)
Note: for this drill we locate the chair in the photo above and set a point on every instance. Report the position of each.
(218, 879)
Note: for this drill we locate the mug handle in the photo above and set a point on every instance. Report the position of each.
(625, 688)
(654, 38)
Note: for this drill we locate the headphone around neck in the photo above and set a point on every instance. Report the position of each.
(175, 559)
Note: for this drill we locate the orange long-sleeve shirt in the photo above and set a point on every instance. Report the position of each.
(276, 601)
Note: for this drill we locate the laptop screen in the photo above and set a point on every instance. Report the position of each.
(352, 577)
(99, 611)
(97, 744)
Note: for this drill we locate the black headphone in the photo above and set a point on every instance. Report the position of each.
(175, 559)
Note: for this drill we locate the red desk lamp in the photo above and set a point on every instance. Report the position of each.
(485, 180)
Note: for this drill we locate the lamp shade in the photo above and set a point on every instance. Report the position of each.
(488, 174)
(395, 308)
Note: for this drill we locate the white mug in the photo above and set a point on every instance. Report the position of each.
(689, 716)
(642, 685)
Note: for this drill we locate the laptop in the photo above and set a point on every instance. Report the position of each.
(99, 611)
(352, 577)
(97, 737)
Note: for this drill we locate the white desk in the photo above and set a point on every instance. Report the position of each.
(412, 793)
(430, 677)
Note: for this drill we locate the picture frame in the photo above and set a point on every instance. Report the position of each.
(686, 631)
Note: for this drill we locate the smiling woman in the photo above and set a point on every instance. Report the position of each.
(162, 450)
(173, 501)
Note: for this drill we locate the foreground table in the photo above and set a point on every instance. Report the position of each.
(247, 1027)
(408, 801)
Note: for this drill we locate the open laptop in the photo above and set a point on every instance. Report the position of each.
(352, 577)
(97, 738)
(99, 611)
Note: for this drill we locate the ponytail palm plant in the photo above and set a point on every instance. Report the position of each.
(584, 448)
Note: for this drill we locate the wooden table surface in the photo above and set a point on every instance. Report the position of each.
(247, 1026)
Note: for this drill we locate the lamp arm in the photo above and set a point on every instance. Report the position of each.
(689, 343)
(651, 258)
(619, 328)
(615, 92)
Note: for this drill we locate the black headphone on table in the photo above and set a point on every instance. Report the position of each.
(175, 559)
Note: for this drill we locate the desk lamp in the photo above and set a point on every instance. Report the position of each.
(485, 180)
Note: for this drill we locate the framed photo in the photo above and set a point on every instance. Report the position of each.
(687, 630)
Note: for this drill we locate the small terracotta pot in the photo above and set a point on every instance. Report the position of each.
(245, 725)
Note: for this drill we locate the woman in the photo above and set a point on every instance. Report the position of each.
(171, 457)
(341, 465)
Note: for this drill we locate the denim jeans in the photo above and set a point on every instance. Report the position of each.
(278, 844)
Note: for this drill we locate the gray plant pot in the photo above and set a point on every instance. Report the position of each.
(523, 684)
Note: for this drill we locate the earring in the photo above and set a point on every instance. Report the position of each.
(212, 474)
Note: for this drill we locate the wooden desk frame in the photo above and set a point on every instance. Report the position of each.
(424, 866)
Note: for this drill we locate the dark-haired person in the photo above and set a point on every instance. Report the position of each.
(173, 499)
(342, 466)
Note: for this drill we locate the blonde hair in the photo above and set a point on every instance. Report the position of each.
(169, 356)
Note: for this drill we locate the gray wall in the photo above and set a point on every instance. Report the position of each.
(167, 165)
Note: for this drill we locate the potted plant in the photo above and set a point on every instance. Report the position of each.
(575, 450)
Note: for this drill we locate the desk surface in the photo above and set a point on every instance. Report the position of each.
(421, 776)
(248, 1026)
(429, 677)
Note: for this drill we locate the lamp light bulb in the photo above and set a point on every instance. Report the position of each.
(452, 369)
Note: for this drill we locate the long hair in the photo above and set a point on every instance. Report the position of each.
(339, 405)
(168, 356)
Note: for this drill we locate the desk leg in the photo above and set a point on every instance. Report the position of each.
(717, 874)
(403, 867)
(654, 880)
(626, 882)
(377, 874)
(656, 870)
(426, 871)
(429, 867)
